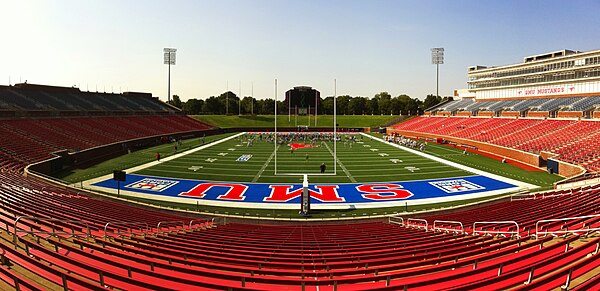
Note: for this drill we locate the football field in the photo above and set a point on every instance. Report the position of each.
(251, 158)
(252, 170)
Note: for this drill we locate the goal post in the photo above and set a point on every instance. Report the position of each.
(311, 105)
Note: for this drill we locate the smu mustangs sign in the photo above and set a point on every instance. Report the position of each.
(323, 195)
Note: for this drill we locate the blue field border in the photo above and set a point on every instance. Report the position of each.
(270, 195)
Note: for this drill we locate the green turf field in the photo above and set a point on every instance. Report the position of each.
(133, 159)
(366, 160)
(225, 121)
(362, 164)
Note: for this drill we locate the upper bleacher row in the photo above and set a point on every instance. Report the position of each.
(523, 106)
(53, 100)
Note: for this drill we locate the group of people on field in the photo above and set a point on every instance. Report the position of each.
(404, 141)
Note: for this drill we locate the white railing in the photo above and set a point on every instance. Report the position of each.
(436, 222)
(527, 196)
(396, 220)
(408, 223)
(85, 227)
(516, 232)
(538, 232)
(142, 227)
(218, 221)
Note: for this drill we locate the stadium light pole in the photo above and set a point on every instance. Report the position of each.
(227, 100)
(275, 139)
(252, 100)
(240, 99)
(335, 126)
(437, 58)
(169, 55)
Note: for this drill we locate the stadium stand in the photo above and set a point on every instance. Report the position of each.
(56, 238)
(348, 256)
(40, 120)
(32, 140)
(575, 104)
(51, 99)
(572, 140)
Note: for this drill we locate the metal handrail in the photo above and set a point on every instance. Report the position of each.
(538, 232)
(177, 222)
(529, 196)
(564, 194)
(113, 223)
(191, 222)
(53, 232)
(390, 220)
(475, 231)
(420, 220)
(213, 222)
(462, 228)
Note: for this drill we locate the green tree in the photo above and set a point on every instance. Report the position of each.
(395, 107)
(342, 104)
(214, 105)
(383, 99)
(247, 105)
(404, 103)
(229, 100)
(175, 101)
(357, 105)
(431, 100)
(326, 106)
(193, 106)
(373, 106)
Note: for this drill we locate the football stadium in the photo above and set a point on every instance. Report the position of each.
(493, 187)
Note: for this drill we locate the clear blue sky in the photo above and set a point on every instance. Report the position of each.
(368, 46)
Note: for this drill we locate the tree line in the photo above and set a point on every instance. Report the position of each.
(381, 103)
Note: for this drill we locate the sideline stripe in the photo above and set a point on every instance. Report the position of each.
(265, 165)
(341, 165)
(88, 183)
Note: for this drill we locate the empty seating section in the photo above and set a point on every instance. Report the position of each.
(25, 97)
(575, 141)
(557, 103)
(538, 104)
(347, 256)
(454, 105)
(554, 204)
(31, 140)
(585, 103)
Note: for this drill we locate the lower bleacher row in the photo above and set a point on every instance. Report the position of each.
(240, 256)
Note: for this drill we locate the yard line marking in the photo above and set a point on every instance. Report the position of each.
(265, 165)
(456, 165)
(341, 165)
(170, 158)
(187, 172)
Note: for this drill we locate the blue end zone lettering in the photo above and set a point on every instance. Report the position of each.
(323, 193)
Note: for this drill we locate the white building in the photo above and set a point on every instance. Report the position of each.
(562, 73)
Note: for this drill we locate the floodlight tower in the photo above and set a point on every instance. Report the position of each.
(437, 58)
(169, 59)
